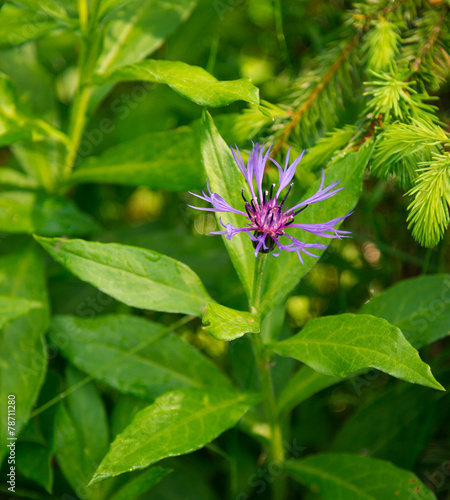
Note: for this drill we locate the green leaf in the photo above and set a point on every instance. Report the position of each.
(177, 423)
(168, 160)
(19, 26)
(340, 476)
(402, 429)
(304, 384)
(51, 7)
(226, 180)
(191, 82)
(282, 274)
(228, 324)
(133, 355)
(135, 276)
(14, 307)
(24, 357)
(138, 29)
(141, 484)
(42, 160)
(35, 462)
(33, 212)
(16, 122)
(420, 307)
(81, 431)
(344, 344)
(272, 325)
(15, 178)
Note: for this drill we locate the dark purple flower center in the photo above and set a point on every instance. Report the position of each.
(268, 218)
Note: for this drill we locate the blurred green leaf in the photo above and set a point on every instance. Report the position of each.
(141, 484)
(52, 8)
(81, 431)
(42, 160)
(32, 212)
(282, 274)
(226, 180)
(395, 432)
(124, 410)
(191, 82)
(14, 307)
(135, 276)
(14, 178)
(24, 357)
(338, 475)
(168, 160)
(272, 324)
(16, 122)
(420, 307)
(304, 384)
(228, 324)
(346, 343)
(133, 355)
(19, 26)
(179, 422)
(138, 28)
(35, 462)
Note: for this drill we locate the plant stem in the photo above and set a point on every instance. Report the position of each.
(78, 120)
(257, 281)
(81, 99)
(263, 360)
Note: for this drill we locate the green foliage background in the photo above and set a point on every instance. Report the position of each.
(103, 130)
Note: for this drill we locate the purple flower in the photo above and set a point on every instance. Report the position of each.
(267, 218)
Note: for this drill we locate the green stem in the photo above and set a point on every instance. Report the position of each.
(263, 360)
(78, 120)
(280, 32)
(257, 281)
(81, 100)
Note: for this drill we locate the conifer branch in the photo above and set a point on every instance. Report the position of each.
(297, 115)
(431, 41)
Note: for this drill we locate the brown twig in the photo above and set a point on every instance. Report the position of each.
(430, 42)
(297, 115)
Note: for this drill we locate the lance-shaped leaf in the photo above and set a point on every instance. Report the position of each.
(16, 122)
(168, 160)
(179, 422)
(35, 463)
(138, 28)
(344, 344)
(135, 276)
(132, 354)
(81, 431)
(226, 180)
(420, 307)
(396, 432)
(14, 307)
(139, 485)
(19, 26)
(192, 82)
(33, 212)
(304, 384)
(282, 274)
(224, 323)
(23, 353)
(351, 477)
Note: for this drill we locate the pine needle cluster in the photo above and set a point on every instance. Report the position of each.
(376, 82)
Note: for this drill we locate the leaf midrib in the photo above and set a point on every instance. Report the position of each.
(187, 420)
(338, 480)
(191, 297)
(334, 344)
(151, 362)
